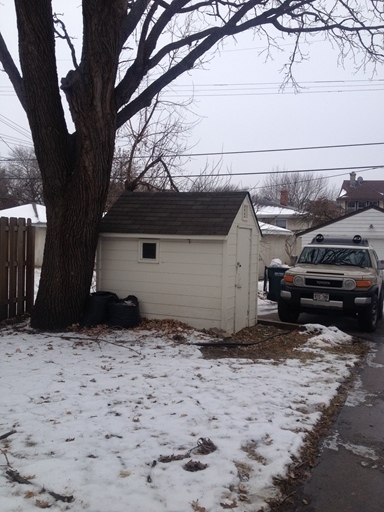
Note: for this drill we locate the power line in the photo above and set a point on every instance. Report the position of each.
(279, 150)
(257, 173)
(362, 168)
(244, 152)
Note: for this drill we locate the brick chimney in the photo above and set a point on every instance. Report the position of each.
(352, 179)
(284, 197)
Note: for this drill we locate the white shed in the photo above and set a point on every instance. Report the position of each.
(368, 223)
(191, 256)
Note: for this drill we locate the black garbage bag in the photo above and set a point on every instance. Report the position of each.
(124, 313)
(95, 310)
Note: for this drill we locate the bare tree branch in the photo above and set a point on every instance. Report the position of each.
(66, 37)
(12, 72)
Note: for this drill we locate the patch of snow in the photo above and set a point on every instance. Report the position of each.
(333, 443)
(92, 414)
(357, 395)
(324, 336)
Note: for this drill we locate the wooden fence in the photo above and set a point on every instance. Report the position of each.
(17, 267)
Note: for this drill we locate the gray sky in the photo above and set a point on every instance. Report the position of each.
(242, 108)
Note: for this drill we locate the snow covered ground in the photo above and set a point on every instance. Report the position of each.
(94, 414)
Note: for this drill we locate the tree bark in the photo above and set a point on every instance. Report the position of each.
(75, 168)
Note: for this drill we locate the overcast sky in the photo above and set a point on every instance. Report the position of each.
(242, 108)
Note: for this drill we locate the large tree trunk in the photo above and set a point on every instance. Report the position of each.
(75, 168)
(72, 232)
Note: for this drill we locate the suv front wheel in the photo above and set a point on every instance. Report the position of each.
(287, 313)
(369, 316)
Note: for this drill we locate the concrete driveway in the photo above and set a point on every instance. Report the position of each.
(349, 476)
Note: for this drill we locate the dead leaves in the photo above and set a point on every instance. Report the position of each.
(42, 504)
(196, 507)
(194, 465)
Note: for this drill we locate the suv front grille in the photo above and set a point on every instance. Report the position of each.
(328, 283)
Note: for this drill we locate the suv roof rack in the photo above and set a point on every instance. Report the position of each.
(356, 240)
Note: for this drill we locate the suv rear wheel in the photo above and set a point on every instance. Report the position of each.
(287, 313)
(369, 316)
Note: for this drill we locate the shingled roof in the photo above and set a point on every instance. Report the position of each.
(370, 190)
(173, 213)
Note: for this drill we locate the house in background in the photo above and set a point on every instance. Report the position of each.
(35, 212)
(280, 214)
(368, 223)
(275, 243)
(356, 194)
(188, 256)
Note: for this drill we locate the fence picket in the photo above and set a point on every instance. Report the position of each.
(16, 267)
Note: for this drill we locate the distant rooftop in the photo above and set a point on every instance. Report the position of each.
(358, 189)
(274, 211)
(33, 211)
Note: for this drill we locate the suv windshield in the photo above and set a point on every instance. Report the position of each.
(335, 256)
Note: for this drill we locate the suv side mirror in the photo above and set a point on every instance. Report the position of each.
(380, 265)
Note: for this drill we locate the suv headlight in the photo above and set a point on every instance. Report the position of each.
(298, 281)
(349, 284)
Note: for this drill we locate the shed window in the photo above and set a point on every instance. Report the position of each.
(149, 251)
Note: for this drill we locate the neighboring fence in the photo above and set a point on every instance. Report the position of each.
(17, 265)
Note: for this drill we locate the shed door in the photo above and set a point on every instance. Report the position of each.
(243, 272)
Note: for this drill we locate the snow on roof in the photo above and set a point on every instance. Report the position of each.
(269, 229)
(274, 211)
(33, 211)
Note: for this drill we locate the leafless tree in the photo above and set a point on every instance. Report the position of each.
(322, 210)
(157, 41)
(6, 200)
(23, 177)
(151, 148)
(210, 179)
(301, 188)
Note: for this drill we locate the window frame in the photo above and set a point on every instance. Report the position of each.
(141, 244)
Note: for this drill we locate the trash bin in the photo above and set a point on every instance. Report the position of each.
(274, 275)
(95, 310)
(124, 313)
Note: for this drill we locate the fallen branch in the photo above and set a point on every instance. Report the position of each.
(204, 447)
(4, 436)
(240, 344)
(14, 476)
(97, 340)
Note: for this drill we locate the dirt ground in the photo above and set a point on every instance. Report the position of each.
(271, 342)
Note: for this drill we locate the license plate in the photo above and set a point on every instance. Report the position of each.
(324, 297)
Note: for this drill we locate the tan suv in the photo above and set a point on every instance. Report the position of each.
(341, 275)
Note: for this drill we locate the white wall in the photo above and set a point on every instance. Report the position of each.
(358, 224)
(39, 244)
(186, 283)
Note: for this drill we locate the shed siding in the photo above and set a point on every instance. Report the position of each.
(186, 283)
(231, 281)
(356, 224)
